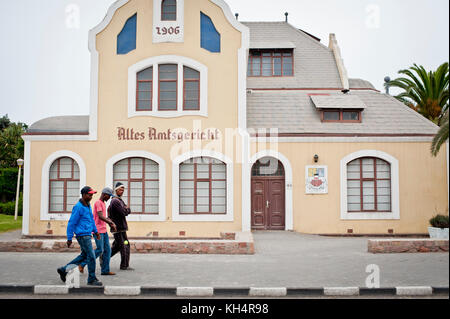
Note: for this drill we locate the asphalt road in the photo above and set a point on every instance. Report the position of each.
(282, 259)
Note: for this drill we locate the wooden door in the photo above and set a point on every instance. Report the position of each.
(268, 203)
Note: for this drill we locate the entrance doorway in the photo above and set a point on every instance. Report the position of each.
(268, 195)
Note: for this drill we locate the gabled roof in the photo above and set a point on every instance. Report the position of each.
(314, 65)
(293, 112)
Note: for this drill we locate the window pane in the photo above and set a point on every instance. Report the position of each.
(135, 200)
(191, 74)
(287, 66)
(146, 74)
(191, 94)
(191, 105)
(256, 67)
(54, 170)
(277, 66)
(350, 116)
(186, 171)
(76, 171)
(202, 170)
(331, 116)
(203, 197)
(368, 195)
(65, 168)
(267, 67)
(368, 168)
(354, 207)
(145, 86)
(168, 71)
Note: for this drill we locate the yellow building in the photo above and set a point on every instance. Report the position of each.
(220, 126)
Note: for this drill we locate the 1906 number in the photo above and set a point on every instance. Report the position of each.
(165, 31)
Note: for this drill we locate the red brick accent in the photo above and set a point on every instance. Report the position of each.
(385, 246)
(228, 236)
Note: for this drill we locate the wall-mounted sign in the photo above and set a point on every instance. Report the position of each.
(316, 179)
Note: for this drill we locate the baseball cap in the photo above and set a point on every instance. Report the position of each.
(88, 190)
(107, 191)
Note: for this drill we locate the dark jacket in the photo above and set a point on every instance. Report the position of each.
(117, 212)
(81, 222)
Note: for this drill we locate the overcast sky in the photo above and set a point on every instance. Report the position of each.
(45, 62)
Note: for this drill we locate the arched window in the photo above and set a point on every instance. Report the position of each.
(141, 179)
(191, 94)
(144, 88)
(203, 186)
(169, 10)
(64, 185)
(369, 185)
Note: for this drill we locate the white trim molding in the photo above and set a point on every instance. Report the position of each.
(155, 62)
(45, 215)
(26, 189)
(162, 182)
(176, 215)
(289, 209)
(395, 187)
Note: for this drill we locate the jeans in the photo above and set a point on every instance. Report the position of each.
(87, 255)
(104, 250)
(124, 249)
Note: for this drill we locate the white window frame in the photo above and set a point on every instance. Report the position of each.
(176, 215)
(154, 62)
(394, 214)
(45, 183)
(162, 182)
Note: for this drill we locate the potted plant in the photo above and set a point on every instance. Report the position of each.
(439, 227)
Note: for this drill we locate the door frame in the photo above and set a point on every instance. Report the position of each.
(247, 213)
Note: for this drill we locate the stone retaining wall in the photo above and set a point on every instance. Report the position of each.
(140, 247)
(387, 246)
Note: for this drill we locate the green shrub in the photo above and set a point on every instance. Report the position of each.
(439, 221)
(8, 208)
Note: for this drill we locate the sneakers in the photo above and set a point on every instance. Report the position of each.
(95, 283)
(108, 274)
(62, 274)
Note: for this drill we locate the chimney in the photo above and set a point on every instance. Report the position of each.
(286, 14)
(237, 16)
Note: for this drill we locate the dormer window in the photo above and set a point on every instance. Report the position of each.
(271, 63)
(339, 108)
(345, 116)
(169, 10)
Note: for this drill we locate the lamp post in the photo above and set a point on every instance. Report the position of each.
(20, 163)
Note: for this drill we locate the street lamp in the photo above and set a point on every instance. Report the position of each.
(20, 164)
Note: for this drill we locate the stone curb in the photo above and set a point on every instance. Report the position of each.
(235, 291)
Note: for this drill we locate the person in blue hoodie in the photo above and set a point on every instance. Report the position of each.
(82, 224)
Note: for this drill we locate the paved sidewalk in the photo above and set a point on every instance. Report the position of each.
(282, 259)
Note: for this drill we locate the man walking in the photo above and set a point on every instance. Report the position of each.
(82, 224)
(103, 247)
(118, 211)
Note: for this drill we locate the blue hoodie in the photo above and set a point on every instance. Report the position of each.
(81, 222)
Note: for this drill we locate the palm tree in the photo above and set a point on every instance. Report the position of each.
(442, 136)
(425, 92)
